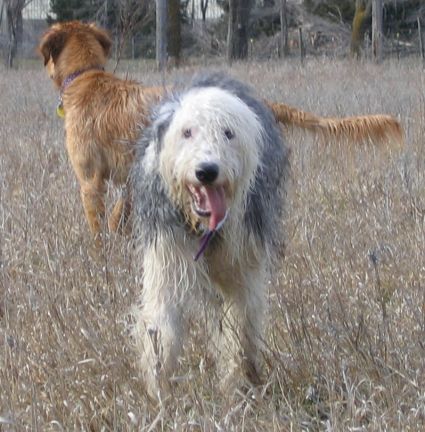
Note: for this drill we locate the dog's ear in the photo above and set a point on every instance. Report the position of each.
(103, 38)
(162, 117)
(51, 44)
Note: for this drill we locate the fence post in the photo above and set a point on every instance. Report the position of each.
(301, 44)
(398, 45)
(421, 41)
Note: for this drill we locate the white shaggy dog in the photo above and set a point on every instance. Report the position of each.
(208, 186)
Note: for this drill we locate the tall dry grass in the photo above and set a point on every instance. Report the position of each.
(346, 341)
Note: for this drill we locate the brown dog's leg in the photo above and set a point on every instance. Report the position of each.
(115, 217)
(120, 214)
(92, 195)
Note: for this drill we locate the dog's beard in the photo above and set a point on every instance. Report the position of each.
(209, 204)
(206, 208)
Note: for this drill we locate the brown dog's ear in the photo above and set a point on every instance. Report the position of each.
(52, 44)
(103, 38)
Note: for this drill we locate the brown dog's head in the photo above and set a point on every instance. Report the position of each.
(71, 47)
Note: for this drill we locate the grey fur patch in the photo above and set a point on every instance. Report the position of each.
(153, 210)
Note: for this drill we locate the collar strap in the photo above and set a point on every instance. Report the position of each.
(68, 80)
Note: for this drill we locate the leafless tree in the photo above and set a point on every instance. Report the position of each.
(174, 31)
(283, 46)
(362, 12)
(133, 14)
(14, 24)
(237, 35)
(377, 30)
(161, 34)
(1, 12)
(204, 7)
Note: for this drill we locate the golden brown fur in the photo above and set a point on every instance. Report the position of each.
(103, 115)
(377, 128)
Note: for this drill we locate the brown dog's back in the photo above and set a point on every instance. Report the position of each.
(104, 115)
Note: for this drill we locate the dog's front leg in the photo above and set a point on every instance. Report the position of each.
(160, 332)
(160, 323)
(243, 327)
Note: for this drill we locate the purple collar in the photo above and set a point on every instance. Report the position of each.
(68, 80)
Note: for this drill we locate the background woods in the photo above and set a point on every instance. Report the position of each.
(232, 29)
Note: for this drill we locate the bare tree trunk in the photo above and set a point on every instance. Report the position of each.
(192, 13)
(12, 43)
(174, 31)
(237, 36)
(161, 34)
(283, 47)
(204, 7)
(231, 30)
(421, 42)
(377, 30)
(358, 28)
(14, 28)
(301, 44)
(19, 23)
(1, 12)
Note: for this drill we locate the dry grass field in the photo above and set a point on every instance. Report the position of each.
(346, 340)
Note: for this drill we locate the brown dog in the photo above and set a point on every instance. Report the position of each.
(104, 114)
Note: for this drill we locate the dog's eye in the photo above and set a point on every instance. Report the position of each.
(187, 133)
(229, 134)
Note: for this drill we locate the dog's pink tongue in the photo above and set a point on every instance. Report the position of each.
(215, 202)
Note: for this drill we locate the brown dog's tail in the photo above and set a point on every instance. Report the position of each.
(358, 128)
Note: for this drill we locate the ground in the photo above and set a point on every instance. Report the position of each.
(345, 348)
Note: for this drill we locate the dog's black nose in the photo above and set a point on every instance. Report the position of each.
(207, 172)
